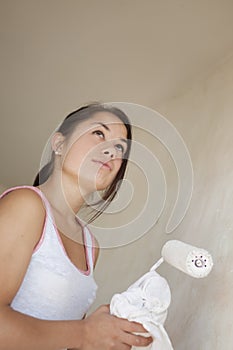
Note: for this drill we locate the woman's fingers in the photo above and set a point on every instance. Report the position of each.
(132, 326)
(104, 332)
(137, 340)
(130, 338)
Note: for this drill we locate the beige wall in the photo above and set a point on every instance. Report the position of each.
(52, 63)
(204, 116)
(200, 315)
(57, 55)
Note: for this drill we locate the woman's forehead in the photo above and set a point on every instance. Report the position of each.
(107, 119)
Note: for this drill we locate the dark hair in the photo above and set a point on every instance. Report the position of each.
(66, 129)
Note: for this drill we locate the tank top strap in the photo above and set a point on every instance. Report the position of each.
(89, 244)
(17, 188)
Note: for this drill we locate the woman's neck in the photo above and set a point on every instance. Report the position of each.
(63, 196)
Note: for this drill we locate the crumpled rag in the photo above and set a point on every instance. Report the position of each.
(146, 301)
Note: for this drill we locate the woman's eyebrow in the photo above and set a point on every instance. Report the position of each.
(102, 124)
(108, 129)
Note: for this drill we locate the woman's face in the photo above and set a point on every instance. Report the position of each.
(93, 154)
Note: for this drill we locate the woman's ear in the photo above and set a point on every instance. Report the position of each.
(57, 143)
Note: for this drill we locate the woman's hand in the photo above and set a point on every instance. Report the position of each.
(102, 331)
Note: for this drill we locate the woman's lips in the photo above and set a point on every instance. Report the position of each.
(103, 164)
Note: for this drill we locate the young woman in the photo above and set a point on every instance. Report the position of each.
(47, 255)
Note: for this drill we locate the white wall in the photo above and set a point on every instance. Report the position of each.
(200, 316)
(201, 313)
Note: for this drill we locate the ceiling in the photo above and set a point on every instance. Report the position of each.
(57, 54)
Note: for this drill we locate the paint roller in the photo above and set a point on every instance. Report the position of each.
(196, 262)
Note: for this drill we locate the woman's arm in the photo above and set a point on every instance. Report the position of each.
(22, 218)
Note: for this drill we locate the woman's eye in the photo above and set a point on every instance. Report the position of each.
(120, 148)
(99, 133)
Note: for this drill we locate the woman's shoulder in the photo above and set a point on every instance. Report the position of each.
(24, 206)
(22, 218)
(23, 197)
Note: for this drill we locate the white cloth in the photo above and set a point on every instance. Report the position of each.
(146, 301)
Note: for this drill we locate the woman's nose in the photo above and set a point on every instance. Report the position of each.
(110, 151)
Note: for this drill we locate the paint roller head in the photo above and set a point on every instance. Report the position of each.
(196, 262)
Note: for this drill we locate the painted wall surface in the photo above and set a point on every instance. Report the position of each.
(200, 315)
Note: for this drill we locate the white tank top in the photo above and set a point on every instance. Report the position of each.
(53, 287)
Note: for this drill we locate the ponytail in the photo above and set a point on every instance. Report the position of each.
(44, 173)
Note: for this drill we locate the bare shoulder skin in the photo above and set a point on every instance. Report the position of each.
(21, 223)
